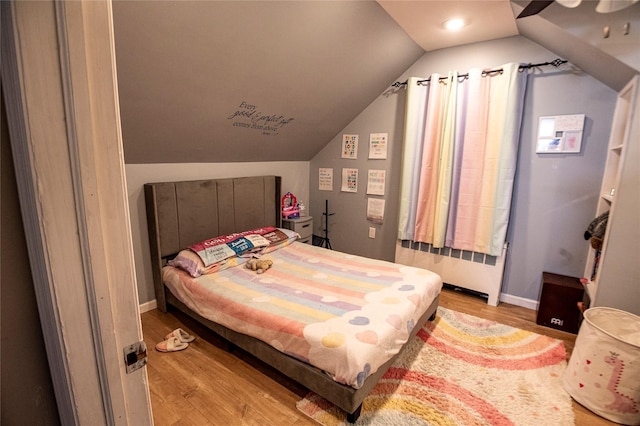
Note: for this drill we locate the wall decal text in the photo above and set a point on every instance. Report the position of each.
(248, 116)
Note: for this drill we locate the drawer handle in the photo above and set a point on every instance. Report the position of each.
(305, 226)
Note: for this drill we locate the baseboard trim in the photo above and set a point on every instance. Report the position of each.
(519, 301)
(148, 306)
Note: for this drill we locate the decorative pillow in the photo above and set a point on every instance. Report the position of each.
(236, 250)
(278, 239)
(191, 263)
(217, 249)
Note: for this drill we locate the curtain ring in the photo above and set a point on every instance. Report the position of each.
(525, 67)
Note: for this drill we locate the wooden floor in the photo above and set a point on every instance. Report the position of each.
(207, 385)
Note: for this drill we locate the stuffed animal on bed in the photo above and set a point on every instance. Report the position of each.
(258, 265)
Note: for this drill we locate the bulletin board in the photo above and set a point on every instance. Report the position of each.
(560, 134)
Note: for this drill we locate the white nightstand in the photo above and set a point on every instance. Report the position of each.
(302, 225)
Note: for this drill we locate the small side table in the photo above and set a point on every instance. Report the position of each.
(558, 302)
(302, 225)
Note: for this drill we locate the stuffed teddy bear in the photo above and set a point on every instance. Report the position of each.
(258, 265)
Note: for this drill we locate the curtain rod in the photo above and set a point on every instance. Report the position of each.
(556, 63)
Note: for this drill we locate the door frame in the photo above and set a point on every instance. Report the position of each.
(60, 85)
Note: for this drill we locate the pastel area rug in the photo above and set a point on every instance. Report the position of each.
(464, 370)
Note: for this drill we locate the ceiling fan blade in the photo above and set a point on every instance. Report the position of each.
(534, 7)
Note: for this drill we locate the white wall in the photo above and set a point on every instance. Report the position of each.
(295, 179)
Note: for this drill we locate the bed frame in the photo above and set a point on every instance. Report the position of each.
(183, 213)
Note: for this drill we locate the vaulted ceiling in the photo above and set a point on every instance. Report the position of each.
(217, 81)
(243, 81)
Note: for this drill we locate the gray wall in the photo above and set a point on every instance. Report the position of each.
(27, 390)
(193, 74)
(555, 195)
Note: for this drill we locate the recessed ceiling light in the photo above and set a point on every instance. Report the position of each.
(453, 24)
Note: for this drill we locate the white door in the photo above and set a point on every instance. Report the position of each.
(59, 80)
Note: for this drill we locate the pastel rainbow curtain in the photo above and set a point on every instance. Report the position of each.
(459, 158)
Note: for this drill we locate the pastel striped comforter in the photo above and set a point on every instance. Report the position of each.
(344, 314)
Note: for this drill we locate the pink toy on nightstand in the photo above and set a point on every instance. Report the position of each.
(290, 208)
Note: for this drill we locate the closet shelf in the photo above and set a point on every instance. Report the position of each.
(590, 288)
(610, 268)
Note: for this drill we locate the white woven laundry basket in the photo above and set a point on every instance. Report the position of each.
(603, 373)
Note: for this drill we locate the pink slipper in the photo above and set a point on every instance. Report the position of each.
(172, 344)
(181, 335)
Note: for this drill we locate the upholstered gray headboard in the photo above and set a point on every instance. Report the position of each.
(183, 213)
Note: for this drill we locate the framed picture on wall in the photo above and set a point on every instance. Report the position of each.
(376, 182)
(560, 134)
(375, 210)
(378, 146)
(349, 180)
(350, 146)
(325, 179)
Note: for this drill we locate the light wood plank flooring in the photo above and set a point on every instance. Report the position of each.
(207, 385)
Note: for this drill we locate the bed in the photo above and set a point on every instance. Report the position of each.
(181, 214)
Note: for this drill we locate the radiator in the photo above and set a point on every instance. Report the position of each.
(466, 269)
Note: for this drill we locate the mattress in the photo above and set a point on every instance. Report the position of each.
(344, 314)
